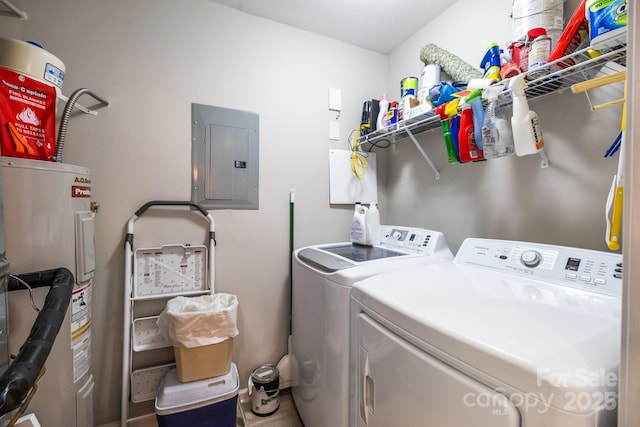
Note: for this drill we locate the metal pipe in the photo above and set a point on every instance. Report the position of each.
(64, 120)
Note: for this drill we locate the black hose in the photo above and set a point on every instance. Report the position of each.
(23, 372)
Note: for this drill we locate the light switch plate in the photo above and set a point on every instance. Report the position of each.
(334, 131)
(335, 99)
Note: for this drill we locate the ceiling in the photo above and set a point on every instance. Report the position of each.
(377, 25)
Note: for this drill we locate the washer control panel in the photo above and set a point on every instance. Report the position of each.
(411, 239)
(584, 268)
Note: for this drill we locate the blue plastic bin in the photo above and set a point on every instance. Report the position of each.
(203, 403)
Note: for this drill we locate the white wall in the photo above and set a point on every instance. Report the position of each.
(509, 198)
(151, 60)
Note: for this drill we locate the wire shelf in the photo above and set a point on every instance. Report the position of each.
(553, 77)
(10, 9)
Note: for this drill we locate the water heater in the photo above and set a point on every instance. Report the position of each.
(49, 224)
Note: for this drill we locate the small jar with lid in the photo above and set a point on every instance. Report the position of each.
(539, 48)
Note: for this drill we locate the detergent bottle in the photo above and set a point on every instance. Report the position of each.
(467, 146)
(358, 224)
(383, 121)
(607, 22)
(475, 100)
(372, 225)
(527, 134)
(497, 139)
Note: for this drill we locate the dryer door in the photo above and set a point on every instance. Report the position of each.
(397, 384)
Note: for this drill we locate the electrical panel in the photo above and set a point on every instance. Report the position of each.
(224, 157)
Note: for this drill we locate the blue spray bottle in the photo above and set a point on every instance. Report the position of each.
(491, 62)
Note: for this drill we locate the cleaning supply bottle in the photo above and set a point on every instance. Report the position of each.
(451, 110)
(454, 123)
(497, 139)
(452, 156)
(539, 49)
(475, 100)
(358, 224)
(469, 150)
(383, 122)
(527, 134)
(491, 62)
(392, 116)
(372, 225)
(607, 22)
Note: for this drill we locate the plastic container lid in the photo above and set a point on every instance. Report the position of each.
(536, 32)
(174, 396)
(264, 374)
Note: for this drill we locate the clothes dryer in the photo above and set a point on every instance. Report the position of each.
(510, 334)
(322, 280)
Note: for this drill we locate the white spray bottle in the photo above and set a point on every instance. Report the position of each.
(382, 121)
(527, 134)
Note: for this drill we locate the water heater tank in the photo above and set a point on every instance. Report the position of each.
(49, 224)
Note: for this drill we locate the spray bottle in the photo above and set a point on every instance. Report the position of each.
(497, 138)
(527, 134)
(491, 62)
(382, 121)
(451, 110)
(452, 156)
(358, 226)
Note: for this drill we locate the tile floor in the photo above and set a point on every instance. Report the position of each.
(285, 416)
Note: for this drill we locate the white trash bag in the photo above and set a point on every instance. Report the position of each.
(198, 321)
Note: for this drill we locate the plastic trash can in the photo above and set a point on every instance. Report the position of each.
(201, 330)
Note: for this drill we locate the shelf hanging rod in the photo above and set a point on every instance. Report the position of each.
(424, 154)
(544, 160)
(18, 12)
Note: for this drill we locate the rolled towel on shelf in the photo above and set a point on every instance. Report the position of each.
(451, 64)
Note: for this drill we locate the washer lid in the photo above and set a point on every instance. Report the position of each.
(506, 330)
(349, 255)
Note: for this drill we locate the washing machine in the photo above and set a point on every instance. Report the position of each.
(322, 279)
(508, 334)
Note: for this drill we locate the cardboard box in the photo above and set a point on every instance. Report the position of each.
(208, 361)
(210, 402)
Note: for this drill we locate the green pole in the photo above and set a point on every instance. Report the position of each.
(291, 202)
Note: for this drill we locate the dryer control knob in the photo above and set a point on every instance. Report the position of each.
(530, 259)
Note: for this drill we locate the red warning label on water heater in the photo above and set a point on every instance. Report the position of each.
(80, 191)
(27, 117)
